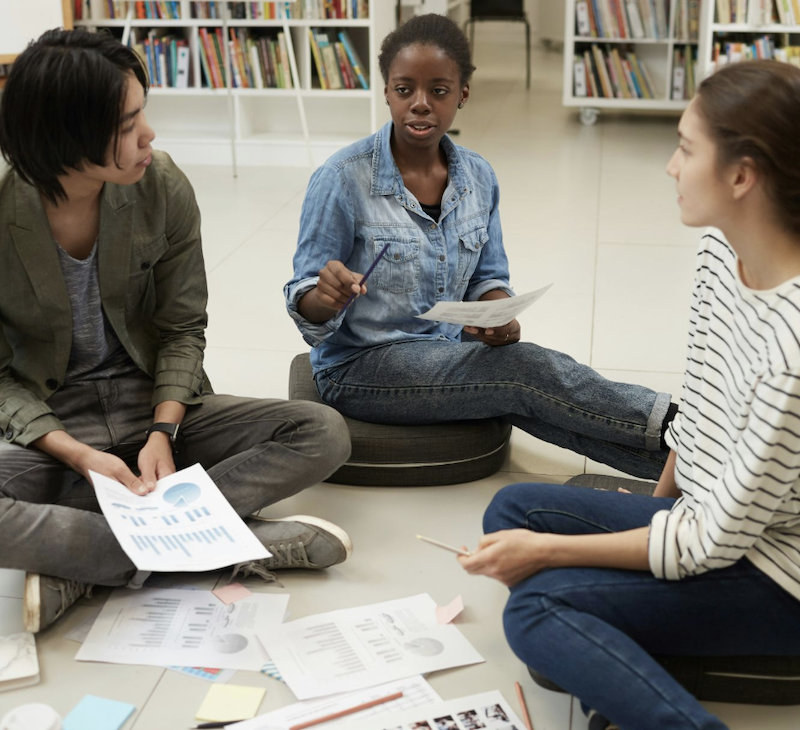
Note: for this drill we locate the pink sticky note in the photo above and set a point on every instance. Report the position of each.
(230, 593)
(445, 614)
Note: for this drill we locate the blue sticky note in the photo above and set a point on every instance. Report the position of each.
(96, 713)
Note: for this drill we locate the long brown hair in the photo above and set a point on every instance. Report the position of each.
(752, 109)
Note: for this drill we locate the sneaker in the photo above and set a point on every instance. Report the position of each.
(47, 599)
(598, 722)
(296, 542)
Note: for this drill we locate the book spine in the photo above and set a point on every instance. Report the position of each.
(323, 82)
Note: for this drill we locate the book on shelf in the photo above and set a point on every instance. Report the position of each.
(758, 12)
(285, 9)
(687, 20)
(626, 19)
(684, 73)
(119, 9)
(724, 53)
(166, 58)
(255, 62)
(337, 64)
(615, 73)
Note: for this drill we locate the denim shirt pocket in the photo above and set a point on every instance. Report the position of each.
(398, 270)
(470, 245)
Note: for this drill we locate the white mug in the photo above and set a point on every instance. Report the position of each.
(31, 717)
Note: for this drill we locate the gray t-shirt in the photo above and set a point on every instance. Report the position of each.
(96, 352)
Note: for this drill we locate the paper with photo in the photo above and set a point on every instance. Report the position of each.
(485, 711)
(354, 648)
(486, 313)
(164, 627)
(184, 525)
(416, 693)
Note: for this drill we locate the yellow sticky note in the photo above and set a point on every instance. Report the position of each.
(230, 702)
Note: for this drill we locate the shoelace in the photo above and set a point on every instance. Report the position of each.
(70, 591)
(282, 557)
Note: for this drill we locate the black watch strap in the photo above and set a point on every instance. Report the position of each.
(171, 429)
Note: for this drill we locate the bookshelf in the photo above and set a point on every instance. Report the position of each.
(298, 124)
(749, 29)
(648, 51)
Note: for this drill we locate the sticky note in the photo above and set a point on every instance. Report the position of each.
(445, 614)
(96, 713)
(230, 702)
(230, 593)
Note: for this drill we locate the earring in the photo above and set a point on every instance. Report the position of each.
(386, 101)
(461, 105)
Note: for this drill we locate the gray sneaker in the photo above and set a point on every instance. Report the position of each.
(296, 542)
(47, 599)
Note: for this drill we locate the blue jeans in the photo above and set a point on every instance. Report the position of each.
(541, 391)
(592, 631)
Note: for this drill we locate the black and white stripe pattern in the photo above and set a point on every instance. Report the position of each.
(737, 436)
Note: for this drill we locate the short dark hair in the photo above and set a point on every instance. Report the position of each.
(752, 109)
(428, 30)
(62, 105)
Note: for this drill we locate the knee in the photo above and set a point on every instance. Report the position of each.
(331, 442)
(523, 613)
(509, 507)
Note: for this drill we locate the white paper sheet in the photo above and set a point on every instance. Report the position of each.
(164, 627)
(487, 710)
(360, 647)
(184, 525)
(416, 693)
(491, 313)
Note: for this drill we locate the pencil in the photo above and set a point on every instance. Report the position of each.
(366, 276)
(525, 716)
(348, 711)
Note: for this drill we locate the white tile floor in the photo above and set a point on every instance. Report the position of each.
(589, 208)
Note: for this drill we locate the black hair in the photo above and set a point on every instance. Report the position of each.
(428, 30)
(752, 110)
(62, 105)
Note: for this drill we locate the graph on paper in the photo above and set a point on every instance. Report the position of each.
(185, 524)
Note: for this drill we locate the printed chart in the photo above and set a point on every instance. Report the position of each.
(184, 525)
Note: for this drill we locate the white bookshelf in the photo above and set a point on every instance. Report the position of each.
(656, 54)
(712, 31)
(301, 126)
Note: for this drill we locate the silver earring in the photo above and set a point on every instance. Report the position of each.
(386, 101)
(461, 105)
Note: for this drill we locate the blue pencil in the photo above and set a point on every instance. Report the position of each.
(366, 276)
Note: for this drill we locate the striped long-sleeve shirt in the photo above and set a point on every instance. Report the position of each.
(737, 436)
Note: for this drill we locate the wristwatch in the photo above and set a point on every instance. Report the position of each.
(171, 429)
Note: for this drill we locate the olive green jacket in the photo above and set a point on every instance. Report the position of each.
(152, 286)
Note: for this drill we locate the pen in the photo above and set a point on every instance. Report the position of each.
(444, 545)
(209, 725)
(521, 697)
(369, 271)
(349, 711)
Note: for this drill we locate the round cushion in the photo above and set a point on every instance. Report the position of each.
(411, 456)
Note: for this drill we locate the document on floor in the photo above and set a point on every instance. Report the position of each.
(488, 313)
(164, 627)
(184, 525)
(488, 710)
(416, 693)
(355, 648)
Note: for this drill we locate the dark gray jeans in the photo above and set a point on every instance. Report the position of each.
(256, 451)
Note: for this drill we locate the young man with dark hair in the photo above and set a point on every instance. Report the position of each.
(102, 319)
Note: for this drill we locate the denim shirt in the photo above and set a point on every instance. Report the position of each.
(356, 203)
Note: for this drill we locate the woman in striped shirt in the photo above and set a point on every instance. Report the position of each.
(710, 565)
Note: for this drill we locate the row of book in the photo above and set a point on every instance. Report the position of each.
(687, 20)
(338, 64)
(764, 47)
(684, 73)
(622, 18)
(758, 12)
(172, 9)
(612, 74)
(166, 58)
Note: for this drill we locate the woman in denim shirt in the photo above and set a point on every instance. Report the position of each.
(436, 206)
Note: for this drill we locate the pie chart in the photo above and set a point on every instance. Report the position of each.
(182, 494)
(229, 643)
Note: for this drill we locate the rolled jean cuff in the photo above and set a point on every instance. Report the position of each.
(138, 579)
(655, 423)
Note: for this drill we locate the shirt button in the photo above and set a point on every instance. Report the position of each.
(9, 435)
(145, 266)
(397, 257)
(413, 205)
(432, 226)
(441, 258)
(51, 383)
(441, 289)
